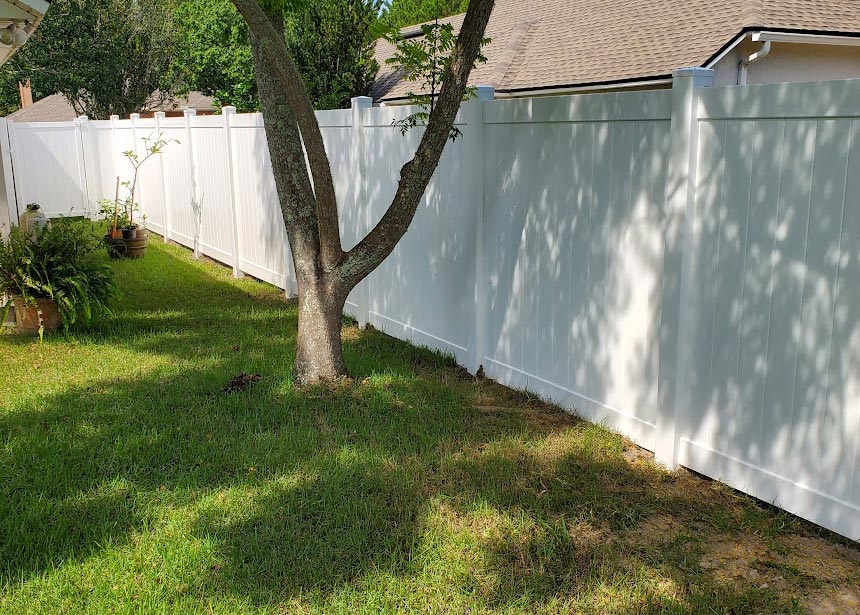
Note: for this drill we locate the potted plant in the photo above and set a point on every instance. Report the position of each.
(126, 238)
(53, 278)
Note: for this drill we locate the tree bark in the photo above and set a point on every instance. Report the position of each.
(319, 352)
(324, 273)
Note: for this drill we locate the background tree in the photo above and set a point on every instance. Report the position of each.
(105, 56)
(324, 271)
(215, 55)
(332, 44)
(400, 13)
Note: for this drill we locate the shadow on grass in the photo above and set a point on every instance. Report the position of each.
(413, 473)
(337, 487)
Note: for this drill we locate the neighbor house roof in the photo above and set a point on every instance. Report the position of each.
(55, 108)
(539, 44)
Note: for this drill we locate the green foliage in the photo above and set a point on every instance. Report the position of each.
(122, 212)
(10, 99)
(330, 41)
(105, 56)
(424, 60)
(58, 263)
(401, 13)
(216, 53)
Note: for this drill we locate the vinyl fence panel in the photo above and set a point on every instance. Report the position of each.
(680, 265)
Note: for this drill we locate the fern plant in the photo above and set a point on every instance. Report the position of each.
(60, 264)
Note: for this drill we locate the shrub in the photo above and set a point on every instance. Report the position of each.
(58, 263)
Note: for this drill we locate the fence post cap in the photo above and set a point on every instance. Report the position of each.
(485, 92)
(186, 112)
(228, 109)
(159, 114)
(134, 116)
(701, 77)
(362, 102)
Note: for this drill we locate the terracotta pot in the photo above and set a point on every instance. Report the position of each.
(28, 319)
(115, 233)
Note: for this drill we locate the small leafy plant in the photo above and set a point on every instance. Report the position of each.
(122, 212)
(58, 263)
(424, 59)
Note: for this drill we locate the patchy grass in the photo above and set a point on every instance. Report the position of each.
(131, 483)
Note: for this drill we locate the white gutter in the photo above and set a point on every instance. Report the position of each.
(812, 39)
(745, 62)
(731, 47)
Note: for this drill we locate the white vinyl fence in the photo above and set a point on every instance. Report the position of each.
(681, 265)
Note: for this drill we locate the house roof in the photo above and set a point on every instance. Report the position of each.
(55, 108)
(537, 44)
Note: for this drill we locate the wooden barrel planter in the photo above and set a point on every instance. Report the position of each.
(30, 317)
(136, 248)
(132, 244)
(136, 241)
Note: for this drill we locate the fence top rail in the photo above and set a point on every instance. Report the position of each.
(609, 107)
(824, 99)
(379, 117)
(69, 125)
(335, 118)
(246, 120)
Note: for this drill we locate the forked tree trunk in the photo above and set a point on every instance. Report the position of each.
(322, 294)
(324, 272)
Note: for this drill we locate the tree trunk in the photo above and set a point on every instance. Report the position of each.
(319, 353)
(326, 274)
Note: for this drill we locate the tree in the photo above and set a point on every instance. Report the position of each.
(331, 43)
(324, 271)
(424, 60)
(105, 56)
(401, 13)
(215, 53)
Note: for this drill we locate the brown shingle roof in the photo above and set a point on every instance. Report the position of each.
(556, 43)
(55, 108)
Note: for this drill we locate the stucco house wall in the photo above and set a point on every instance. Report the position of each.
(790, 62)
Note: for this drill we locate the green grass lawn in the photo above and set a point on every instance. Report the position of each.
(129, 483)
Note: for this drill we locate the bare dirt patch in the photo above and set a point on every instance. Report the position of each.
(843, 601)
(821, 560)
(745, 559)
(654, 531)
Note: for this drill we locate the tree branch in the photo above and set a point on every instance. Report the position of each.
(289, 166)
(416, 174)
(281, 63)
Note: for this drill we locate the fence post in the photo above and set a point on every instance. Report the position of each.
(165, 192)
(135, 118)
(78, 123)
(474, 148)
(673, 394)
(114, 148)
(228, 113)
(8, 195)
(196, 205)
(359, 189)
(91, 165)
